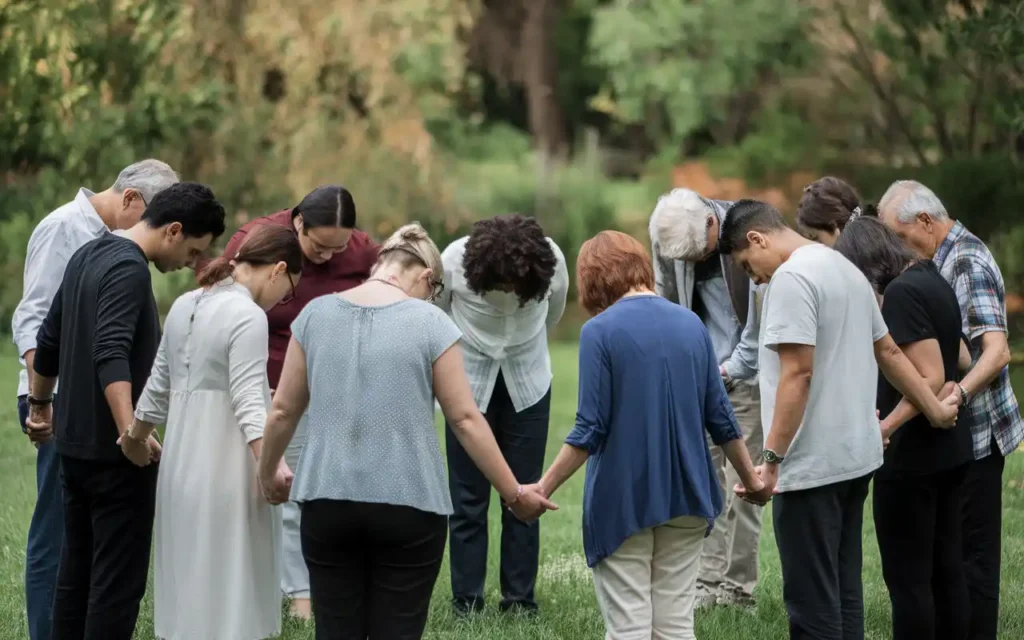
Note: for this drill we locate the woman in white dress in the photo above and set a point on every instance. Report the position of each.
(216, 538)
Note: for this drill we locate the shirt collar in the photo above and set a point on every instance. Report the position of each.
(956, 232)
(92, 219)
(720, 207)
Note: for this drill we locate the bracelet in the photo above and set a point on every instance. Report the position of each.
(519, 492)
(128, 434)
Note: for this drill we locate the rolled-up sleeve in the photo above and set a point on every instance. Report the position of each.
(719, 419)
(45, 260)
(593, 411)
(247, 373)
(123, 292)
(153, 405)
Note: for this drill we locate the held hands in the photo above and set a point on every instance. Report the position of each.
(531, 503)
(763, 486)
(140, 452)
(39, 423)
(278, 487)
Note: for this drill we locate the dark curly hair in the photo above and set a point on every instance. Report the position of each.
(509, 253)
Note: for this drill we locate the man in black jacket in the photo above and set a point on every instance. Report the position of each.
(101, 335)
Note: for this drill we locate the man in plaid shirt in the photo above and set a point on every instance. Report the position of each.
(989, 406)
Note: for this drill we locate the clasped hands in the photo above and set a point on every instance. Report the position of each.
(532, 503)
(277, 488)
(39, 424)
(762, 487)
(949, 409)
(140, 452)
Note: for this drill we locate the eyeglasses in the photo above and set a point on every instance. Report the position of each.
(437, 287)
(288, 297)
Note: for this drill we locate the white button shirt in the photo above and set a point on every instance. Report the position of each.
(57, 237)
(499, 335)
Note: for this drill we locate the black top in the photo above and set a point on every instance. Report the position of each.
(103, 327)
(920, 305)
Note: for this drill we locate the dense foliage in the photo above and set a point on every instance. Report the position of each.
(447, 110)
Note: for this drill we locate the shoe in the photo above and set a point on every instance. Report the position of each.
(737, 599)
(465, 607)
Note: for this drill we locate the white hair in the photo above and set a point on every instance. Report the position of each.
(679, 225)
(149, 177)
(908, 198)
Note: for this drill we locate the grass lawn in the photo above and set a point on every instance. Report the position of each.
(564, 588)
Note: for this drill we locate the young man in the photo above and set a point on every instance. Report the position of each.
(506, 285)
(101, 335)
(991, 411)
(689, 270)
(51, 245)
(821, 336)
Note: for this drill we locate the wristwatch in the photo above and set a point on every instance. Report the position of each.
(39, 402)
(771, 457)
(963, 395)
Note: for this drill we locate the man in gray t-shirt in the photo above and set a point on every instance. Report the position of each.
(821, 337)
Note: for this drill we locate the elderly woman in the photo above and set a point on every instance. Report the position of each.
(649, 389)
(365, 366)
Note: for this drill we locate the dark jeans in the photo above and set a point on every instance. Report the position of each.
(45, 534)
(372, 568)
(819, 537)
(918, 524)
(108, 528)
(983, 530)
(522, 438)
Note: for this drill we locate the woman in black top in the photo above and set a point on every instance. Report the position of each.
(917, 490)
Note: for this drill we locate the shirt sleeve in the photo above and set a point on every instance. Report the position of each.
(742, 364)
(235, 243)
(155, 399)
(719, 418)
(450, 261)
(980, 293)
(593, 410)
(47, 359)
(442, 332)
(905, 315)
(790, 311)
(664, 276)
(122, 293)
(247, 372)
(45, 260)
(559, 289)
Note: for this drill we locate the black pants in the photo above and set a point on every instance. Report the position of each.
(108, 529)
(983, 529)
(522, 438)
(372, 568)
(918, 524)
(819, 536)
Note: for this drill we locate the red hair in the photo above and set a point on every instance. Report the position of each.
(609, 265)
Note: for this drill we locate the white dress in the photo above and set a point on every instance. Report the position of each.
(216, 541)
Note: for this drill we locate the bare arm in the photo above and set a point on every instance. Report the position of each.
(995, 356)
(451, 387)
(902, 375)
(964, 360)
(568, 462)
(796, 368)
(926, 357)
(290, 401)
(119, 397)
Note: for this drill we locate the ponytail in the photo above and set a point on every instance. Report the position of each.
(217, 270)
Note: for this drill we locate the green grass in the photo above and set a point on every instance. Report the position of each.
(564, 588)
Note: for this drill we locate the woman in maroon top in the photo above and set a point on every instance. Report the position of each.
(337, 257)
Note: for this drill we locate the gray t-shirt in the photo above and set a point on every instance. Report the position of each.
(370, 431)
(820, 298)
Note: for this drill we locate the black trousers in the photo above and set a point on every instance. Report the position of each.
(522, 438)
(108, 529)
(918, 524)
(983, 532)
(372, 568)
(819, 537)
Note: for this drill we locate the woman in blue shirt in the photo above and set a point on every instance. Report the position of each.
(649, 389)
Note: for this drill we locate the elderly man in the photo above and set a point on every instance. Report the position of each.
(917, 215)
(51, 245)
(689, 270)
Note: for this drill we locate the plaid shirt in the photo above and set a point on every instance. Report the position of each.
(966, 263)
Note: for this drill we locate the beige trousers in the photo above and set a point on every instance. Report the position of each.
(729, 561)
(646, 588)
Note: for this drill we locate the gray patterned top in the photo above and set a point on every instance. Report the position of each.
(370, 433)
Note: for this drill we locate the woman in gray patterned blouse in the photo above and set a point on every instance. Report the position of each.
(366, 366)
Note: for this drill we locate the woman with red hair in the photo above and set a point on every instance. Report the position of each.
(649, 391)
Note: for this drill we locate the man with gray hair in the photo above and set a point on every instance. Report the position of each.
(917, 216)
(57, 237)
(689, 270)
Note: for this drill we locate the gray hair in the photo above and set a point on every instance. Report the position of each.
(909, 198)
(679, 224)
(149, 177)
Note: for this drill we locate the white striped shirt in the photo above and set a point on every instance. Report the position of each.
(499, 335)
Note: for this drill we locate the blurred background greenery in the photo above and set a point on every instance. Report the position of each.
(445, 111)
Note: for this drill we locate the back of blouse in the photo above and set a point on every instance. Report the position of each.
(370, 430)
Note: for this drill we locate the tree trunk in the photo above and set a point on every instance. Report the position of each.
(540, 77)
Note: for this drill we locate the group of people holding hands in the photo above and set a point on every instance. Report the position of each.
(304, 371)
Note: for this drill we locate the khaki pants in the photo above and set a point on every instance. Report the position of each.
(646, 588)
(729, 561)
